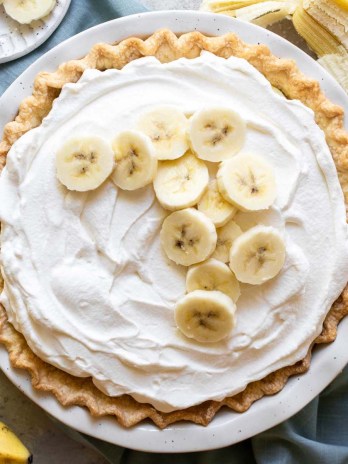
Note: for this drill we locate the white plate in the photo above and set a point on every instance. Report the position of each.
(227, 427)
(17, 39)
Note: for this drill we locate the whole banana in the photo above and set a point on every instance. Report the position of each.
(12, 450)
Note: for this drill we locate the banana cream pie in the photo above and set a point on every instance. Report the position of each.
(173, 231)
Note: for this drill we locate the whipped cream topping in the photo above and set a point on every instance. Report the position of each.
(86, 280)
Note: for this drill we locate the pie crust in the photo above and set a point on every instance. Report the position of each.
(166, 46)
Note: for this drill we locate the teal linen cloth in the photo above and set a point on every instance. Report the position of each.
(316, 435)
(82, 14)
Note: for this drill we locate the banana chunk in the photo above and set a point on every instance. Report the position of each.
(206, 316)
(213, 275)
(247, 181)
(12, 449)
(84, 163)
(26, 11)
(215, 206)
(216, 134)
(136, 161)
(188, 237)
(167, 128)
(225, 237)
(181, 183)
(257, 255)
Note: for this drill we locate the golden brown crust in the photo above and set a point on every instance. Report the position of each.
(70, 390)
(282, 74)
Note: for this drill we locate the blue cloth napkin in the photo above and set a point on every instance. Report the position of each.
(318, 434)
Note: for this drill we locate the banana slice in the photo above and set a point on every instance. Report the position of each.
(257, 255)
(167, 128)
(213, 275)
(206, 316)
(216, 134)
(26, 11)
(248, 182)
(188, 237)
(215, 207)
(136, 161)
(181, 183)
(84, 163)
(225, 237)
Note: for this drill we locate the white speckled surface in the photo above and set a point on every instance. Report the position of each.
(43, 437)
(17, 40)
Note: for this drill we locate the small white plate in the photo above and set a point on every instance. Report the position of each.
(228, 427)
(18, 39)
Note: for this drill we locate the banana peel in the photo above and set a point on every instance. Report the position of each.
(261, 12)
(327, 38)
(342, 4)
(337, 65)
(330, 16)
(322, 23)
(266, 13)
(12, 450)
(226, 6)
(320, 40)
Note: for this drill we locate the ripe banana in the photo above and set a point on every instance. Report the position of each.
(267, 12)
(257, 255)
(26, 11)
(167, 128)
(221, 6)
(323, 25)
(225, 237)
(317, 37)
(188, 236)
(136, 161)
(181, 183)
(214, 206)
(329, 16)
(216, 133)
(213, 275)
(260, 12)
(12, 450)
(206, 316)
(248, 182)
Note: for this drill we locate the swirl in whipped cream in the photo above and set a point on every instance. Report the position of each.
(86, 281)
